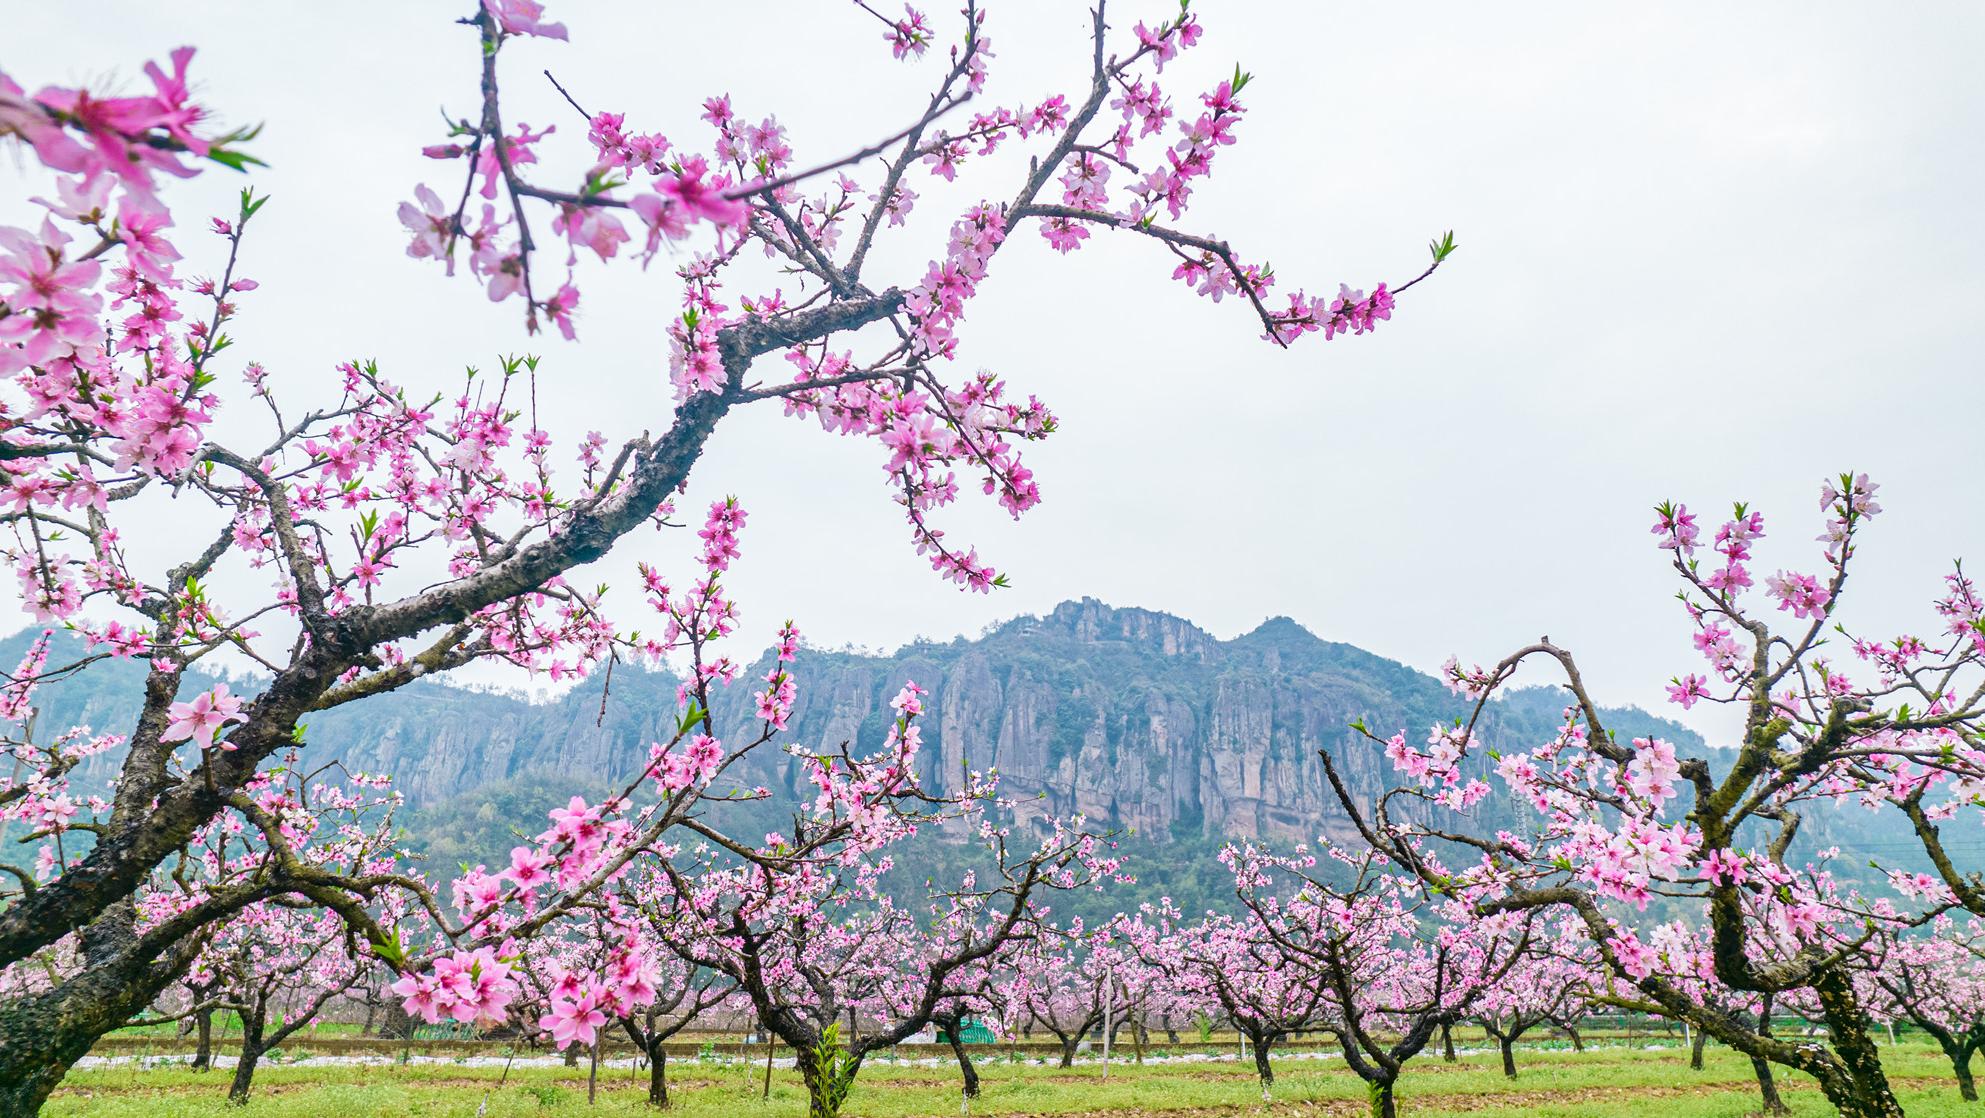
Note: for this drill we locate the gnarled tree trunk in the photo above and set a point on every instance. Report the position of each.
(827, 1085)
(951, 1027)
(1263, 1041)
(253, 1019)
(1960, 1056)
(43, 1033)
(1863, 1091)
(658, 1074)
(203, 1055)
(1767, 1082)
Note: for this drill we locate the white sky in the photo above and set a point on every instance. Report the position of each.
(1706, 253)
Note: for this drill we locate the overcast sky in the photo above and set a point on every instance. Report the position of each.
(1707, 253)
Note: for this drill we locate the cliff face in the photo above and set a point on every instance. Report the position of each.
(1136, 718)
(1144, 721)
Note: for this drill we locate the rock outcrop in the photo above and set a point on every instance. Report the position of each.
(1136, 718)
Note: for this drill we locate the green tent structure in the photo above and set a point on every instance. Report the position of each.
(970, 1031)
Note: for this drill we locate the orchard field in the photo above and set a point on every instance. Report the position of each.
(296, 421)
(1609, 1079)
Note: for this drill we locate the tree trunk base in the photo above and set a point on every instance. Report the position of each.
(658, 1076)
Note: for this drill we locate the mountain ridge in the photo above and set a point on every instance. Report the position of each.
(1137, 718)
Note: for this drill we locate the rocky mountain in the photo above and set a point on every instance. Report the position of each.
(1136, 718)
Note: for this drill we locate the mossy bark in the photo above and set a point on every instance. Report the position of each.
(43, 1034)
(1863, 1091)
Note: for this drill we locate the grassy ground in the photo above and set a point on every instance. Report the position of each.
(1604, 1083)
(226, 1022)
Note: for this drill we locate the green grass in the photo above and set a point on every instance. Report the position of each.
(1604, 1083)
(228, 1023)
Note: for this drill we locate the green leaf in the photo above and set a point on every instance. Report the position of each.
(1443, 247)
(690, 718)
(391, 950)
(238, 160)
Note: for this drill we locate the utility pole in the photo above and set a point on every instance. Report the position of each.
(1109, 1014)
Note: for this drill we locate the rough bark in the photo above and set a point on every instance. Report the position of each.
(42, 1034)
(252, 1047)
(971, 1074)
(1506, 1038)
(399, 1025)
(658, 1074)
(1960, 1055)
(1768, 1087)
(826, 1089)
(155, 813)
(256, 1041)
(1447, 1043)
(1957, 1046)
(593, 1074)
(1261, 1068)
(1696, 1044)
(1863, 1090)
(203, 1055)
(1767, 1083)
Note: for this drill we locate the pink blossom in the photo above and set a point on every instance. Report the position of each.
(197, 721)
(431, 224)
(523, 17)
(1652, 773)
(527, 867)
(1687, 690)
(53, 309)
(574, 1019)
(698, 199)
(909, 36)
(1804, 595)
